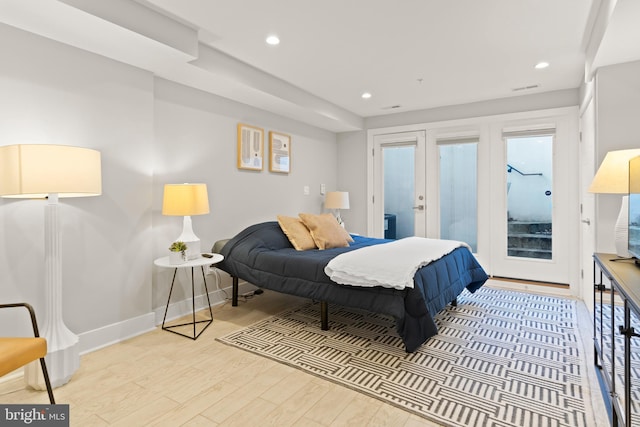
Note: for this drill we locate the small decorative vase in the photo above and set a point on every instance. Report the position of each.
(176, 258)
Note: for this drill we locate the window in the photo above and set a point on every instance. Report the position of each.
(399, 189)
(529, 194)
(459, 190)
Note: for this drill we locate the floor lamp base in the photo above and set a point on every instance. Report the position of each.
(63, 350)
(61, 365)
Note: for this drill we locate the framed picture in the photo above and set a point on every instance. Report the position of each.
(279, 152)
(250, 147)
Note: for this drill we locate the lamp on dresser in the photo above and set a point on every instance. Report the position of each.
(186, 200)
(612, 177)
(337, 200)
(51, 172)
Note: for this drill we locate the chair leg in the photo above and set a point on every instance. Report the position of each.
(45, 373)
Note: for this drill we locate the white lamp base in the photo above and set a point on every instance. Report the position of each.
(338, 217)
(190, 239)
(63, 354)
(61, 365)
(193, 249)
(621, 230)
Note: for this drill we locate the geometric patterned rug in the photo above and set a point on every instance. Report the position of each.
(501, 358)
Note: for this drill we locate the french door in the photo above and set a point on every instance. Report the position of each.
(531, 224)
(457, 190)
(506, 185)
(397, 200)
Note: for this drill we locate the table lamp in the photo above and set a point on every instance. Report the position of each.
(52, 172)
(612, 177)
(186, 200)
(337, 200)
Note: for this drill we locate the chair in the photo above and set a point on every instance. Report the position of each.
(19, 351)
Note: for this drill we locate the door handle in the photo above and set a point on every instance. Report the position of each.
(419, 207)
(586, 221)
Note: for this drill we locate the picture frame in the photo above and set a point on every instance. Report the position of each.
(279, 152)
(250, 147)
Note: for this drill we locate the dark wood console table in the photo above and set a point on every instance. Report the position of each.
(616, 334)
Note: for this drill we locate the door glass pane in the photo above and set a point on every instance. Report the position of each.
(529, 196)
(458, 193)
(399, 190)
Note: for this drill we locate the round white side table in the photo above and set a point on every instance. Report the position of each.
(193, 263)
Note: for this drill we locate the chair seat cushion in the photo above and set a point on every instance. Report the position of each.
(18, 351)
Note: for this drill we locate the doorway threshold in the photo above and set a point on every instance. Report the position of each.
(549, 288)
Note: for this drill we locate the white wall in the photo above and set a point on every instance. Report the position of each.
(149, 132)
(196, 141)
(55, 94)
(352, 146)
(352, 177)
(514, 104)
(617, 97)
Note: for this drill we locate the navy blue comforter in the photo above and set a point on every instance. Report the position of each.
(262, 255)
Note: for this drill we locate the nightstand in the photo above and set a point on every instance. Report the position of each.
(198, 262)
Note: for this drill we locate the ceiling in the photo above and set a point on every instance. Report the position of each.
(462, 50)
(409, 54)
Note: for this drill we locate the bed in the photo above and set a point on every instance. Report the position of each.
(263, 256)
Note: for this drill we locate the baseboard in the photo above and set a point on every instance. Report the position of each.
(184, 307)
(9, 381)
(91, 341)
(111, 334)
(532, 287)
(94, 340)
(116, 332)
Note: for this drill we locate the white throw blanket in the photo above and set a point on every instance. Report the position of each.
(391, 265)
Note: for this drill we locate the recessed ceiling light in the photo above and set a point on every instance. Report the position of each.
(366, 95)
(273, 40)
(541, 65)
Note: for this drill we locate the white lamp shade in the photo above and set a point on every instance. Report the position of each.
(185, 199)
(612, 176)
(34, 171)
(337, 200)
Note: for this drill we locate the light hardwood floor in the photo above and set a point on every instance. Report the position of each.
(162, 379)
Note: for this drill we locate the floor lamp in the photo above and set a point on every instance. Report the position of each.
(612, 177)
(186, 200)
(51, 172)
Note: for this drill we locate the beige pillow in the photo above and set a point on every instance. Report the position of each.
(297, 233)
(326, 231)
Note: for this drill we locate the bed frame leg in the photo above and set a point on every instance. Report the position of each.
(454, 303)
(324, 316)
(234, 296)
